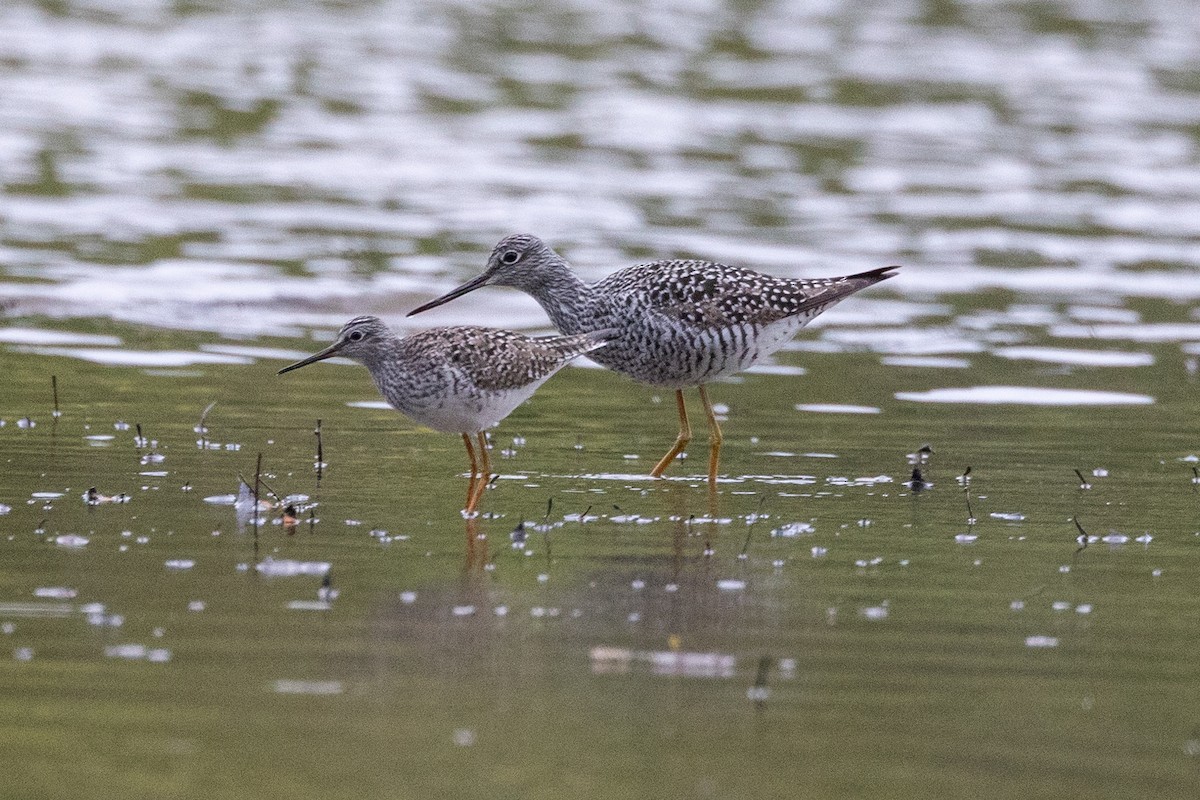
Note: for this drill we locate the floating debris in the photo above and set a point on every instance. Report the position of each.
(94, 498)
(794, 529)
(286, 567)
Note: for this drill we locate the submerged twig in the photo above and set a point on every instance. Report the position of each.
(265, 485)
(1083, 482)
(320, 465)
(201, 427)
(54, 389)
(917, 481)
(1082, 538)
(965, 480)
(257, 481)
(757, 512)
(759, 691)
(546, 528)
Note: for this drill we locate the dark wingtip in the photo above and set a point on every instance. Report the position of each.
(879, 274)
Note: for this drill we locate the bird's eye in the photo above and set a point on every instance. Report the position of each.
(355, 336)
(510, 257)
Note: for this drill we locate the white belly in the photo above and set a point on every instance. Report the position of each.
(467, 413)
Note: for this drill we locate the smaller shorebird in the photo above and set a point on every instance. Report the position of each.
(456, 380)
(678, 323)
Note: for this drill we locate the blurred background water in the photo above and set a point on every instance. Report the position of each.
(193, 192)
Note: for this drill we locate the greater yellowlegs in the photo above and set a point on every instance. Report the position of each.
(456, 380)
(677, 323)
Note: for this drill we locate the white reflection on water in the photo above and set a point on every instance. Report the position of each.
(666, 663)
(163, 167)
(835, 408)
(1026, 395)
(1082, 358)
(138, 358)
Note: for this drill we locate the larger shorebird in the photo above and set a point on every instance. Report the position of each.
(456, 380)
(677, 323)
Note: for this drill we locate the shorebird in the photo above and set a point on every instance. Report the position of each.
(457, 379)
(678, 323)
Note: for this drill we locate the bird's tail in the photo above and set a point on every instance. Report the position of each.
(874, 275)
(834, 290)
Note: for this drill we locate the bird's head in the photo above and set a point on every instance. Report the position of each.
(521, 260)
(358, 339)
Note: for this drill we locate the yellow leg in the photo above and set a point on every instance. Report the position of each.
(485, 472)
(685, 436)
(470, 508)
(714, 439)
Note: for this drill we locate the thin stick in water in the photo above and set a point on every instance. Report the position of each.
(1082, 538)
(546, 528)
(54, 388)
(750, 531)
(759, 691)
(320, 465)
(965, 480)
(257, 481)
(201, 428)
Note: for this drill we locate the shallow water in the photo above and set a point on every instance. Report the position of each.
(197, 194)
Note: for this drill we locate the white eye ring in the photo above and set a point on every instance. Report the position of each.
(355, 336)
(510, 257)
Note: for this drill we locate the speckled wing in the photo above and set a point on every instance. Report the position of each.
(499, 360)
(713, 295)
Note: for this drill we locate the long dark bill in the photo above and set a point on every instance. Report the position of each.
(328, 352)
(469, 286)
